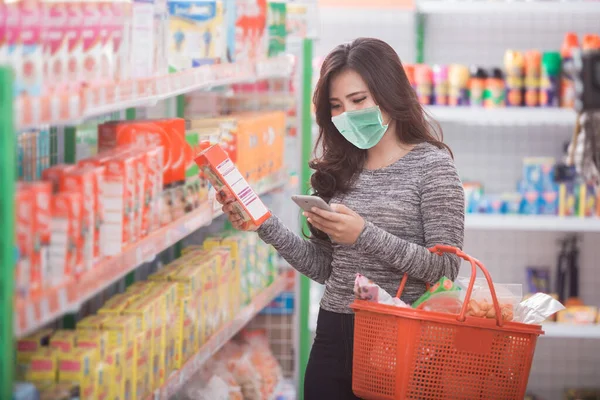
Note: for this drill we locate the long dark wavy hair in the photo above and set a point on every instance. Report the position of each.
(379, 65)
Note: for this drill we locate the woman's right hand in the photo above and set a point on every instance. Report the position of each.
(226, 199)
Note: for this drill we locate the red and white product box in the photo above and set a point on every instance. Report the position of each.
(218, 168)
(24, 223)
(139, 159)
(55, 46)
(154, 188)
(119, 192)
(65, 241)
(3, 46)
(40, 273)
(83, 181)
(55, 173)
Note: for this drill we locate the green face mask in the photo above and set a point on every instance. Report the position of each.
(363, 128)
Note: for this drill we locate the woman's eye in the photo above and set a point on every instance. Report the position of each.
(335, 106)
(358, 101)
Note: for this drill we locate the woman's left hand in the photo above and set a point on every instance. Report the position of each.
(343, 226)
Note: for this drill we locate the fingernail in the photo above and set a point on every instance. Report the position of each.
(305, 214)
(314, 209)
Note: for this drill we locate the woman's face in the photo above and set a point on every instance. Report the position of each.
(348, 92)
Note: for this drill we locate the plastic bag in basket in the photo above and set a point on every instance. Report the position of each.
(366, 289)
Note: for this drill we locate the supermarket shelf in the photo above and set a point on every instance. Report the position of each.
(32, 314)
(556, 330)
(508, 7)
(178, 379)
(95, 101)
(532, 223)
(503, 116)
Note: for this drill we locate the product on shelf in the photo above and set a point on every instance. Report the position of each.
(223, 174)
(514, 65)
(196, 31)
(578, 315)
(550, 79)
(458, 78)
(277, 28)
(477, 86)
(533, 65)
(567, 84)
(537, 194)
(495, 89)
(440, 85)
(424, 83)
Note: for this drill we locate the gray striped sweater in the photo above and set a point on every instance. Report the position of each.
(415, 203)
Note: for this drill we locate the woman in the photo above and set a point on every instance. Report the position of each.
(395, 192)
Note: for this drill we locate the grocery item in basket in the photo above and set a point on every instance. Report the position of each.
(506, 293)
(537, 309)
(443, 285)
(366, 289)
(485, 309)
(444, 302)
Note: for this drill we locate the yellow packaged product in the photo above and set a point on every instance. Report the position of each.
(121, 334)
(26, 347)
(64, 340)
(78, 368)
(185, 332)
(237, 248)
(172, 301)
(93, 322)
(93, 339)
(115, 358)
(43, 366)
(158, 297)
(142, 378)
(143, 311)
(116, 304)
(105, 381)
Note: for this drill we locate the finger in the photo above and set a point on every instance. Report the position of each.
(331, 216)
(321, 227)
(239, 224)
(322, 221)
(235, 217)
(226, 195)
(342, 209)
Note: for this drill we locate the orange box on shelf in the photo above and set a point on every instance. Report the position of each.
(24, 226)
(222, 173)
(98, 172)
(40, 275)
(65, 240)
(167, 133)
(83, 181)
(119, 207)
(55, 173)
(272, 147)
(578, 315)
(153, 190)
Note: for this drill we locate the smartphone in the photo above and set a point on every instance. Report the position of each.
(308, 202)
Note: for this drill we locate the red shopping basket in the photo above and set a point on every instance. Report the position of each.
(404, 353)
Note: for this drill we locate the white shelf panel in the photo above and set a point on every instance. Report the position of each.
(556, 330)
(508, 7)
(522, 116)
(532, 223)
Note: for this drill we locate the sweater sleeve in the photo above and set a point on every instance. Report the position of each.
(443, 214)
(310, 257)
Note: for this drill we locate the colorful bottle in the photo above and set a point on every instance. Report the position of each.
(494, 96)
(550, 79)
(477, 86)
(567, 85)
(533, 60)
(424, 82)
(590, 42)
(409, 70)
(440, 85)
(458, 79)
(513, 65)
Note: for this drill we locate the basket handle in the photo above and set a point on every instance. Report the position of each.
(442, 249)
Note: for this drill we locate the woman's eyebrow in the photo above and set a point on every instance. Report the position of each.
(348, 95)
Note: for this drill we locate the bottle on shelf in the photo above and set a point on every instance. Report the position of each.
(533, 61)
(495, 89)
(550, 79)
(458, 78)
(567, 86)
(440, 85)
(424, 83)
(513, 66)
(477, 86)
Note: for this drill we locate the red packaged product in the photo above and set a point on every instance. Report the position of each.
(83, 181)
(24, 225)
(66, 247)
(41, 197)
(119, 191)
(55, 173)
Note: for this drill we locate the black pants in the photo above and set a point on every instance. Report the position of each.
(329, 370)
